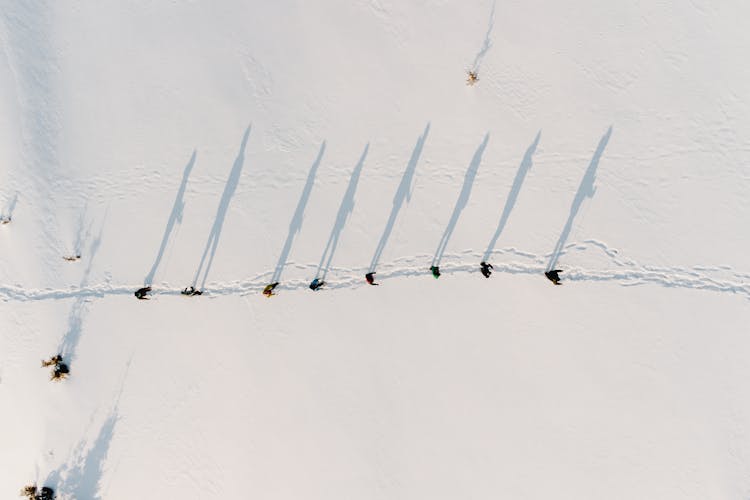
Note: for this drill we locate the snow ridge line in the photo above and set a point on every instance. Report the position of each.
(626, 271)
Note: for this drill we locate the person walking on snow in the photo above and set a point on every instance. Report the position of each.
(61, 371)
(553, 276)
(435, 270)
(268, 290)
(190, 291)
(316, 284)
(142, 293)
(370, 278)
(486, 269)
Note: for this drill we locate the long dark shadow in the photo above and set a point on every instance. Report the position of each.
(486, 44)
(515, 189)
(345, 209)
(585, 190)
(403, 193)
(462, 200)
(296, 224)
(72, 335)
(174, 218)
(231, 186)
(83, 473)
(8, 212)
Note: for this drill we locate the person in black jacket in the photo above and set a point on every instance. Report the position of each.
(486, 269)
(142, 293)
(553, 276)
(47, 493)
(59, 369)
(60, 372)
(370, 278)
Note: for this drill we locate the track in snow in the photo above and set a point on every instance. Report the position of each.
(627, 272)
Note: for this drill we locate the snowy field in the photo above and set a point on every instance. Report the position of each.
(230, 144)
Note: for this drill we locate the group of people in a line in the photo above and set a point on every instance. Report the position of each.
(316, 284)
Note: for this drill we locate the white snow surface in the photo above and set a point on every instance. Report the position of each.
(196, 142)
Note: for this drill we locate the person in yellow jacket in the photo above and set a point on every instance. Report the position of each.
(268, 290)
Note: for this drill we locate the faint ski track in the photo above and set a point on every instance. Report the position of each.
(625, 271)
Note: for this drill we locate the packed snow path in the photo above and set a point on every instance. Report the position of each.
(627, 272)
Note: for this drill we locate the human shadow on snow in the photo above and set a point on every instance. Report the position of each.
(486, 44)
(345, 209)
(296, 224)
(462, 200)
(213, 237)
(81, 477)
(510, 202)
(403, 193)
(7, 213)
(175, 218)
(585, 190)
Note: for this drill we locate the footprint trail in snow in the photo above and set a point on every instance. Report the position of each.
(626, 272)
